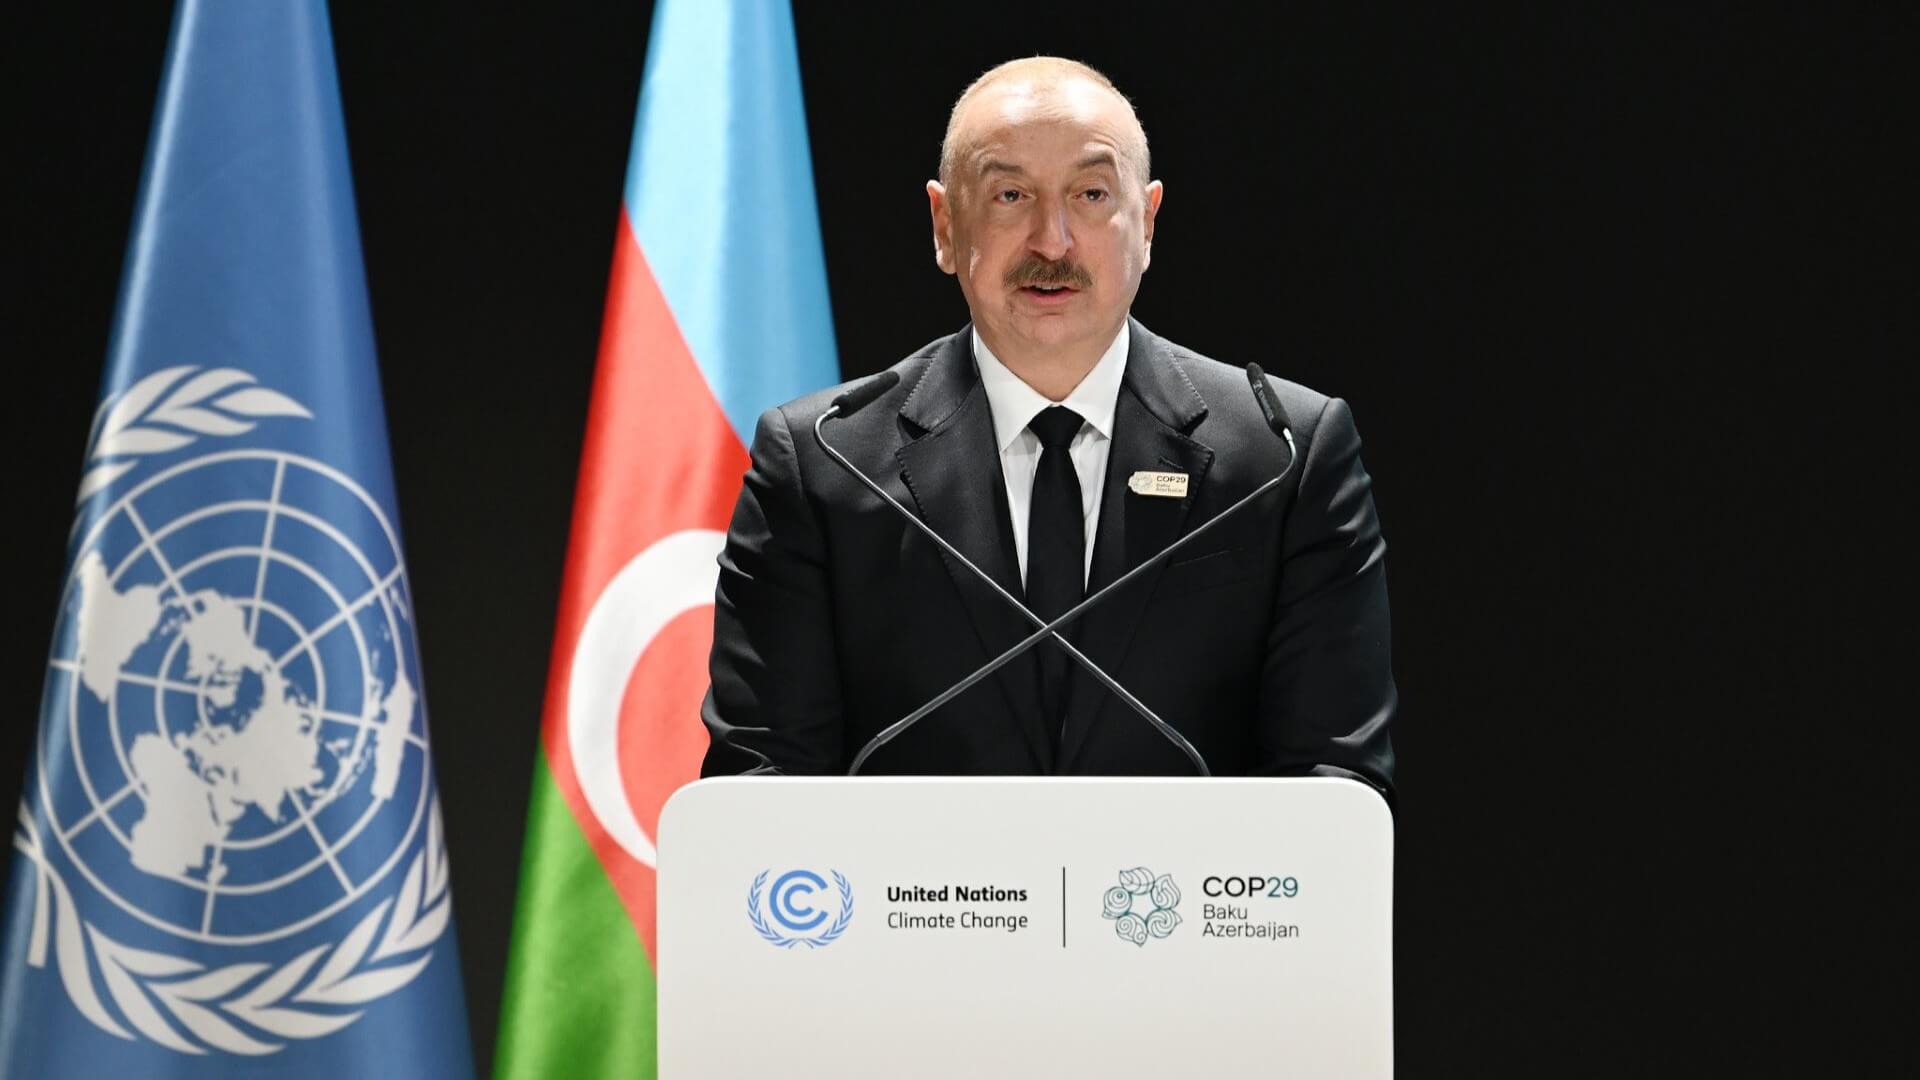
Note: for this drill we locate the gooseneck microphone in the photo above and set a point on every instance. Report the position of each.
(1269, 408)
(858, 397)
(1276, 420)
(862, 395)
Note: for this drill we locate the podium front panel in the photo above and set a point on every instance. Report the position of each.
(1009, 927)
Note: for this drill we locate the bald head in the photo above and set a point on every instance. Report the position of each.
(1049, 81)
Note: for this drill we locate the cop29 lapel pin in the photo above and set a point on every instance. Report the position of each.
(1165, 485)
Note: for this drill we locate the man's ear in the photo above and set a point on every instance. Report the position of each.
(941, 209)
(1155, 191)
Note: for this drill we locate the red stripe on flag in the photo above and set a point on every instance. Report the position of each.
(659, 457)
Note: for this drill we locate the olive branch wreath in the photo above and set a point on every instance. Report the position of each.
(833, 931)
(146, 419)
(207, 1002)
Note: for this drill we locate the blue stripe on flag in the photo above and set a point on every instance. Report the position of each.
(720, 193)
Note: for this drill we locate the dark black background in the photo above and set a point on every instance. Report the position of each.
(1615, 295)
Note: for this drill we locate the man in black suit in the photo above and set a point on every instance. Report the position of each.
(1048, 441)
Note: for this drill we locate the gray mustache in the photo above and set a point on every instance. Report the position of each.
(1041, 272)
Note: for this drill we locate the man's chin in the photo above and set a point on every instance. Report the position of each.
(1047, 332)
(1056, 329)
(1018, 330)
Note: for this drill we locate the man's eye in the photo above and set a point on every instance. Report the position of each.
(1008, 196)
(1097, 195)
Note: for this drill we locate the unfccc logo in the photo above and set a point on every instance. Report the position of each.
(794, 900)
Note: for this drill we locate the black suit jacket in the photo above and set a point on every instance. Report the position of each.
(1266, 643)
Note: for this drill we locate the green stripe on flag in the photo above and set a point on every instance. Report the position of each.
(580, 993)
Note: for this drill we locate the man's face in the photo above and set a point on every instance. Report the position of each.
(1047, 224)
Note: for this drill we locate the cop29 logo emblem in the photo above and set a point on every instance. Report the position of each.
(792, 902)
(1142, 905)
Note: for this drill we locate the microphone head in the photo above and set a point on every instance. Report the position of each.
(863, 394)
(1269, 405)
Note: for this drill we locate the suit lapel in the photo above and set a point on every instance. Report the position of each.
(1156, 409)
(953, 472)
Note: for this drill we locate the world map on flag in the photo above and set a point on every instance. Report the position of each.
(256, 742)
(246, 743)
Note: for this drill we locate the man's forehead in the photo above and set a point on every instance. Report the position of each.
(1014, 102)
(1007, 113)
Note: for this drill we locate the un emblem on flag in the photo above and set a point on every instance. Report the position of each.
(233, 752)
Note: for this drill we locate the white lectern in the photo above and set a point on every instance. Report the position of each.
(1015, 927)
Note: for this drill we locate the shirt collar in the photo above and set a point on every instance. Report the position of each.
(1014, 404)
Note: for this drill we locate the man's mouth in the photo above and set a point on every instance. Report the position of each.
(1048, 290)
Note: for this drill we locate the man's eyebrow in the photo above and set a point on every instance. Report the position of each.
(1092, 161)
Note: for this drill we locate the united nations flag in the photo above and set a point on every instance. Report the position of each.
(228, 857)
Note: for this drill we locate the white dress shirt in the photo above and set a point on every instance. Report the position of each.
(1015, 404)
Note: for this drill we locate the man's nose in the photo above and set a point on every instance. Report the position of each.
(1051, 237)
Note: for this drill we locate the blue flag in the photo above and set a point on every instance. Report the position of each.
(229, 857)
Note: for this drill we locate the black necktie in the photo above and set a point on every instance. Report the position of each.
(1056, 549)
